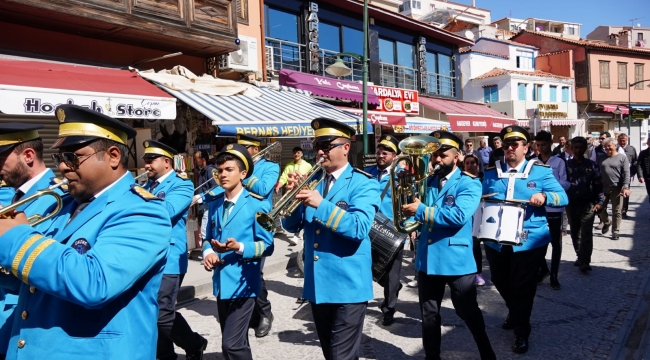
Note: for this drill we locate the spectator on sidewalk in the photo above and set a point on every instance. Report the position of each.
(469, 147)
(560, 148)
(300, 166)
(483, 153)
(471, 164)
(630, 152)
(544, 140)
(204, 171)
(643, 168)
(616, 184)
(598, 155)
(567, 154)
(497, 154)
(585, 200)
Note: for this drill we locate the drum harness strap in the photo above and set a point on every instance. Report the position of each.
(512, 176)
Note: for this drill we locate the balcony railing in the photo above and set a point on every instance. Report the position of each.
(441, 85)
(284, 55)
(398, 76)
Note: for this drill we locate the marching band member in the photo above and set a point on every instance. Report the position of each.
(176, 194)
(89, 289)
(336, 218)
(445, 255)
(8, 300)
(241, 243)
(515, 268)
(387, 153)
(24, 172)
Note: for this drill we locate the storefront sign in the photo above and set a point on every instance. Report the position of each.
(381, 118)
(640, 115)
(289, 130)
(16, 102)
(419, 128)
(550, 111)
(397, 100)
(486, 125)
(312, 37)
(203, 146)
(422, 64)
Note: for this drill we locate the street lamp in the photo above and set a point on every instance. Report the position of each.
(629, 105)
(339, 68)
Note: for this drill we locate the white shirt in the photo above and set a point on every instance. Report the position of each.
(518, 167)
(28, 185)
(110, 186)
(337, 174)
(448, 176)
(234, 199)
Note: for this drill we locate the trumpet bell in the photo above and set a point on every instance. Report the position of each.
(265, 221)
(419, 145)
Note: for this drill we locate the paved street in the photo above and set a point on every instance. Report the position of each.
(589, 318)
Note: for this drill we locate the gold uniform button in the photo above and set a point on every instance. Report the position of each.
(430, 241)
(21, 343)
(430, 229)
(315, 258)
(317, 231)
(32, 289)
(24, 315)
(315, 245)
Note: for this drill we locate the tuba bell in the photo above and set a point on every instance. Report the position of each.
(411, 183)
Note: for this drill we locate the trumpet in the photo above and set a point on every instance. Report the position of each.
(214, 178)
(143, 175)
(411, 184)
(257, 157)
(287, 203)
(37, 218)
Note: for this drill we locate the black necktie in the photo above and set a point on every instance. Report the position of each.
(329, 179)
(17, 196)
(512, 170)
(79, 208)
(153, 186)
(441, 183)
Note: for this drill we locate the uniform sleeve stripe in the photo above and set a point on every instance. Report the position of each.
(431, 216)
(32, 257)
(261, 248)
(338, 219)
(426, 215)
(329, 221)
(257, 249)
(21, 253)
(251, 182)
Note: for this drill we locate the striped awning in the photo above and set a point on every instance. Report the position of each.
(277, 113)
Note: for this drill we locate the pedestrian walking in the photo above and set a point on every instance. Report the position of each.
(630, 152)
(615, 171)
(643, 168)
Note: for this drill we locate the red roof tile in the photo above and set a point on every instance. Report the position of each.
(585, 43)
(498, 72)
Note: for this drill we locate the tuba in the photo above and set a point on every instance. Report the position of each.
(36, 219)
(410, 184)
(287, 203)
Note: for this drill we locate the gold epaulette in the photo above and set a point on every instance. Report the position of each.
(140, 191)
(490, 168)
(182, 175)
(56, 181)
(3, 183)
(540, 164)
(363, 172)
(470, 175)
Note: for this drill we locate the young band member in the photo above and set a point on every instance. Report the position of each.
(515, 268)
(89, 289)
(445, 255)
(24, 173)
(176, 194)
(336, 218)
(240, 244)
(386, 153)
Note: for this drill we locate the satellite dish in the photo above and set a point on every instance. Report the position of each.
(638, 25)
(469, 35)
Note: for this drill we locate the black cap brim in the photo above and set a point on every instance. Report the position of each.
(72, 141)
(6, 148)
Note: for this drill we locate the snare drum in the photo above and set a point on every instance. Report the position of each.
(500, 221)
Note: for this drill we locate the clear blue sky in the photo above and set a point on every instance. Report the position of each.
(589, 13)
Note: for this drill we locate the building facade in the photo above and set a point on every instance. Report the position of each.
(562, 29)
(625, 36)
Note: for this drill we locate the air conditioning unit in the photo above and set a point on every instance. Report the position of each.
(244, 59)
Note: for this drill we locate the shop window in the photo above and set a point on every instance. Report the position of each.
(622, 75)
(553, 98)
(581, 73)
(522, 91)
(491, 94)
(565, 94)
(604, 74)
(638, 76)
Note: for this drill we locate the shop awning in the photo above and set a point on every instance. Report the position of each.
(612, 108)
(30, 87)
(379, 117)
(326, 87)
(274, 114)
(420, 125)
(467, 116)
(546, 123)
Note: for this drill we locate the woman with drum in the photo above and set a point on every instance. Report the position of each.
(471, 165)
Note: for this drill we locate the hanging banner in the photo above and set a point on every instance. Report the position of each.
(397, 100)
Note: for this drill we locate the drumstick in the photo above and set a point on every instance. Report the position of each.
(489, 195)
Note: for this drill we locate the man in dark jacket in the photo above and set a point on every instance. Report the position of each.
(643, 168)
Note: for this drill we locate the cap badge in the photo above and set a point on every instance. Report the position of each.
(316, 124)
(229, 147)
(146, 144)
(238, 137)
(437, 135)
(60, 114)
(509, 130)
(388, 138)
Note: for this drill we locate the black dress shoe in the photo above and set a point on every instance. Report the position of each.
(389, 318)
(605, 229)
(520, 345)
(507, 325)
(555, 285)
(543, 274)
(198, 355)
(585, 267)
(624, 216)
(264, 327)
(577, 262)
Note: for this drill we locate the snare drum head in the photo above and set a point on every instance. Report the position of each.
(501, 222)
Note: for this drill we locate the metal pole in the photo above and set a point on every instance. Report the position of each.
(629, 111)
(365, 77)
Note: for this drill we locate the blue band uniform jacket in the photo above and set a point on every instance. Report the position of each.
(338, 263)
(445, 243)
(540, 179)
(176, 195)
(90, 289)
(239, 276)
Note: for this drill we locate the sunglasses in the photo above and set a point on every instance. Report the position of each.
(382, 153)
(71, 159)
(469, 145)
(511, 144)
(326, 147)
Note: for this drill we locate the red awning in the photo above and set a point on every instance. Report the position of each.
(32, 87)
(379, 117)
(467, 116)
(327, 87)
(612, 108)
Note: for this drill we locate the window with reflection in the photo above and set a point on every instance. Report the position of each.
(440, 77)
(329, 37)
(282, 42)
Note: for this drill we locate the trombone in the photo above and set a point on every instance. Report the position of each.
(287, 203)
(137, 178)
(36, 219)
(257, 157)
(411, 183)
